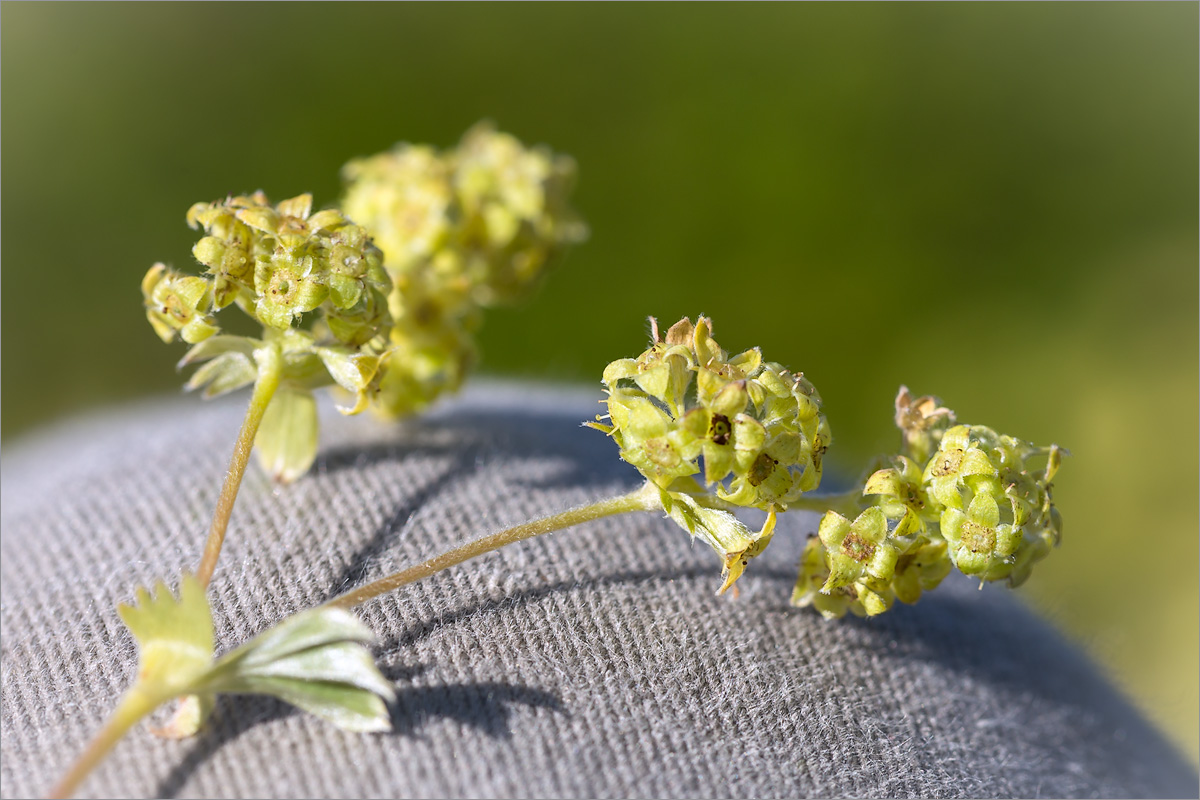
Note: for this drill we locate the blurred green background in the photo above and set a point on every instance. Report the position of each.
(994, 203)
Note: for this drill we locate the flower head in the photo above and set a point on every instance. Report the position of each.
(976, 500)
(314, 282)
(460, 230)
(900, 493)
(861, 554)
(996, 507)
(515, 212)
(757, 427)
(284, 261)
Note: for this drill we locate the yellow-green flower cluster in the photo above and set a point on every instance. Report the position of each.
(278, 263)
(997, 515)
(315, 283)
(757, 427)
(978, 503)
(281, 262)
(461, 230)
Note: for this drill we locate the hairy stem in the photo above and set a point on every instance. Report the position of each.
(645, 498)
(270, 367)
(133, 707)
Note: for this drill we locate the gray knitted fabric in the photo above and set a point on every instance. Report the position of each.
(596, 662)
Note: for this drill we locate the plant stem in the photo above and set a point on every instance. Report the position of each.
(133, 707)
(645, 498)
(270, 368)
(136, 704)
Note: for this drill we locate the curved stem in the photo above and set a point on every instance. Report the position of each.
(270, 368)
(644, 499)
(133, 707)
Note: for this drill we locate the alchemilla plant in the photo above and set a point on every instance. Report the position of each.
(381, 298)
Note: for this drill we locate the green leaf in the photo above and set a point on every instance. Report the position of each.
(315, 661)
(174, 636)
(287, 437)
(348, 707)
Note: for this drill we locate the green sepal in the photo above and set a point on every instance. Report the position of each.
(219, 345)
(921, 568)
(260, 218)
(226, 372)
(286, 442)
(721, 531)
(731, 400)
(344, 290)
(812, 575)
(621, 369)
(353, 371)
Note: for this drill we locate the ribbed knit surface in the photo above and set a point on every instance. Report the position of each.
(596, 662)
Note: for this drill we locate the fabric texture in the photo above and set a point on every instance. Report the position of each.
(595, 662)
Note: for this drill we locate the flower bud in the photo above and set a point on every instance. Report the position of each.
(922, 421)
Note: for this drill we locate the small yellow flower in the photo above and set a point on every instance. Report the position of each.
(176, 305)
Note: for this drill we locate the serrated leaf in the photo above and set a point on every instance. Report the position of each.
(174, 636)
(315, 661)
(286, 442)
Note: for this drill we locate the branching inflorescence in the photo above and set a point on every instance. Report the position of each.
(462, 231)
(960, 496)
(382, 298)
